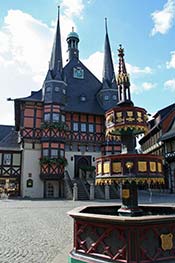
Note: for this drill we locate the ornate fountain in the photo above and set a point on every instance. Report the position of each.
(128, 233)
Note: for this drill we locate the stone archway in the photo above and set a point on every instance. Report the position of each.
(81, 161)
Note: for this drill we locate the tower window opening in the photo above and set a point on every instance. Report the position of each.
(106, 97)
(57, 89)
(48, 89)
(114, 97)
(128, 94)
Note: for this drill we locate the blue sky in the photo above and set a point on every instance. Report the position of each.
(146, 29)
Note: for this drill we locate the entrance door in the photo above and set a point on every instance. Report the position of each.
(50, 190)
(81, 161)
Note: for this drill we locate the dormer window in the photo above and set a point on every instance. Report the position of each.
(114, 97)
(82, 98)
(48, 89)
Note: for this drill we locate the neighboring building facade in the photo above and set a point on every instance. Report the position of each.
(160, 140)
(61, 126)
(10, 161)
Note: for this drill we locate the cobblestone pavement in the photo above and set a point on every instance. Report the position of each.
(40, 231)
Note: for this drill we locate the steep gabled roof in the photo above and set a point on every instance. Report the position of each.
(155, 126)
(34, 96)
(9, 140)
(163, 112)
(87, 87)
(4, 130)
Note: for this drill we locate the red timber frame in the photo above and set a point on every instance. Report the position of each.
(32, 119)
(122, 243)
(87, 136)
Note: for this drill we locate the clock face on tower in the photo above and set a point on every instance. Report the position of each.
(78, 73)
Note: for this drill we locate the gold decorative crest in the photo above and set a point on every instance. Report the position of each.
(166, 241)
(125, 193)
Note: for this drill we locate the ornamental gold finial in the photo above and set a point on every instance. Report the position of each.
(120, 51)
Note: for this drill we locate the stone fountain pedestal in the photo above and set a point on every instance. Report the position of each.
(101, 235)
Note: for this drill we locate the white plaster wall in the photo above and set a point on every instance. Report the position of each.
(55, 186)
(70, 166)
(31, 165)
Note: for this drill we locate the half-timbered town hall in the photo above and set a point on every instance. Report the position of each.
(61, 126)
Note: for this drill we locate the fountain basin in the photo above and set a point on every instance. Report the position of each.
(101, 235)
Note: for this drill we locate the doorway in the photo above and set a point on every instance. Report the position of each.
(50, 190)
(81, 161)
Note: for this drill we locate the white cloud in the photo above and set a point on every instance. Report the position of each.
(134, 70)
(25, 50)
(95, 64)
(139, 88)
(148, 85)
(25, 44)
(170, 84)
(163, 19)
(171, 63)
(29, 42)
(73, 8)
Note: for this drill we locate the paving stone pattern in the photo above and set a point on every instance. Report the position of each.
(41, 231)
(34, 231)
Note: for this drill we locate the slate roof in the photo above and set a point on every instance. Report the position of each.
(163, 112)
(4, 130)
(154, 126)
(168, 135)
(8, 138)
(35, 96)
(88, 87)
(56, 64)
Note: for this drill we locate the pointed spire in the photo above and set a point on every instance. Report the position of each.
(56, 57)
(122, 67)
(123, 80)
(108, 68)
